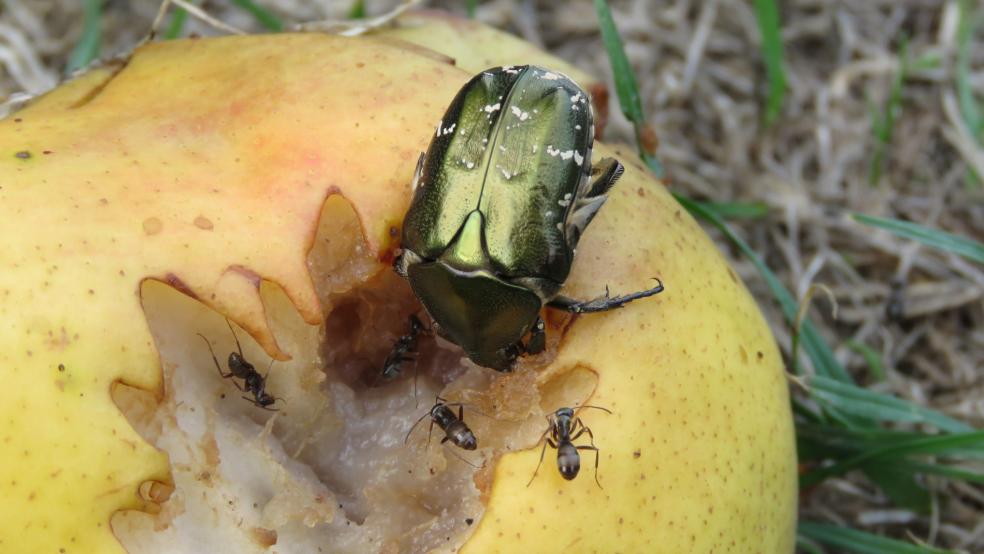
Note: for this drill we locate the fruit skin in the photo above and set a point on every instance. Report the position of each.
(699, 454)
(474, 46)
(205, 163)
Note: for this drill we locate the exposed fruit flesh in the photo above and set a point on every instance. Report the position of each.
(330, 469)
(205, 164)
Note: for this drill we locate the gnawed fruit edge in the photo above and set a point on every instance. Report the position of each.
(187, 185)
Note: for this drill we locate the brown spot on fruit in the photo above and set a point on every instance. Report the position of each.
(152, 226)
(264, 537)
(203, 223)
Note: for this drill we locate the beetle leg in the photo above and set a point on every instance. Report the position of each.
(605, 173)
(602, 303)
(538, 338)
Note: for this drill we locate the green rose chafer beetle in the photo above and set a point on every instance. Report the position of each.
(500, 200)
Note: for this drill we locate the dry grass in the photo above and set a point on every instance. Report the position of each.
(703, 84)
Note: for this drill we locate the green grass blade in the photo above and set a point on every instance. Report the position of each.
(871, 358)
(965, 91)
(944, 445)
(808, 546)
(626, 87)
(859, 542)
(174, 28)
(820, 354)
(969, 109)
(970, 249)
(358, 10)
(625, 81)
(832, 441)
(883, 126)
(471, 6)
(869, 404)
(737, 210)
(87, 49)
(261, 14)
(767, 15)
(898, 481)
(950, 472)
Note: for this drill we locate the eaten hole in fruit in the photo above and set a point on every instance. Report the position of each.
(335, 468)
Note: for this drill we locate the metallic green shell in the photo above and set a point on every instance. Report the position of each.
(515, 144)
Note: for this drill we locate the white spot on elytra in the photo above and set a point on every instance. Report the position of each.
(445, 131)
(578, 158)
(493, 107)
(577, 127)
(550, 76)
(523, 116)
(564, 154)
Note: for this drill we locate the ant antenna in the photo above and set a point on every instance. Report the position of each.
(238, 346)
(606, 410)
(414, 426)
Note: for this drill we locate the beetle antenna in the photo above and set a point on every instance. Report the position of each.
(238, 346)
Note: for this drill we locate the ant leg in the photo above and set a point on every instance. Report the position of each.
(595, 448)
(258, 405)
(602, 303)
(460, 457)
(542, 452)
(581, 429)
(214, 359)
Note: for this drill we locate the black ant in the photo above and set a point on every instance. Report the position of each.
(405, 345)
(454, 427)
(255, 383)
(564, 429)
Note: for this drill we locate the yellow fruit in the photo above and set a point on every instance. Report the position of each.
(205, 165)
